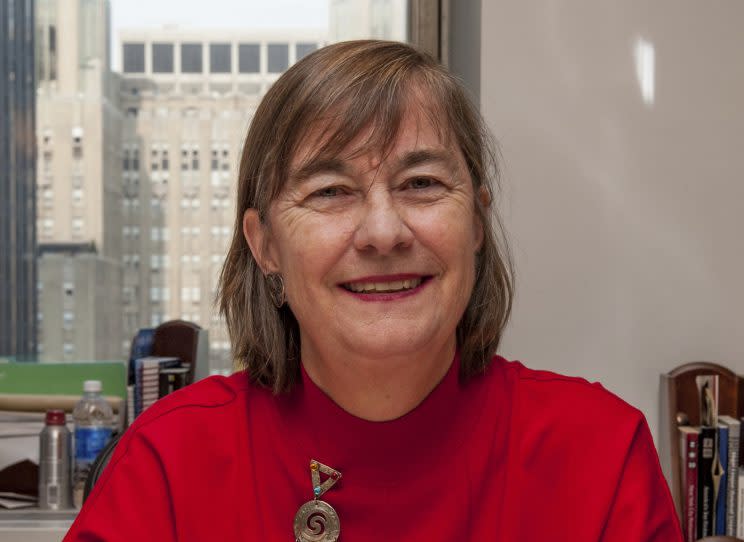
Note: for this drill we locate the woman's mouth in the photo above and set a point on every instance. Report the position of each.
(383, 287)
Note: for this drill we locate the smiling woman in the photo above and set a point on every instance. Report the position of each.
(366, 290)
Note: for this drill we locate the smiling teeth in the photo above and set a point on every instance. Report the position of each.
(380, 287)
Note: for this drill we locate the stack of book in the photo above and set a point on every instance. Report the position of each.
(712, 479)
(147, 380)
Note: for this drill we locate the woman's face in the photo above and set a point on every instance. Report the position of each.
(377, 253)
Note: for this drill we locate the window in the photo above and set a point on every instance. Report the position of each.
(215, 160)
(125, 160)
(67, 318)
(134, 57)
(162, 58)
(304, 49)
(219, 58)
(195, 159)
(191, 58)
(249, 57)
(191, 294)
(164, 160)
(278, 54)
(68, 349)
(77, 225)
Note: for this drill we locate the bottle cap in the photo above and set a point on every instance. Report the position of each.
(92, 386)
(55, 417)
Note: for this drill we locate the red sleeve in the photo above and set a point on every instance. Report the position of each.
(131, 500)
(642, 509)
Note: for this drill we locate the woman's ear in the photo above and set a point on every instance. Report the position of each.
(484, 197)
(258, 237)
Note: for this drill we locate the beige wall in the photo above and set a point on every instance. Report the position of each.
(626, 217)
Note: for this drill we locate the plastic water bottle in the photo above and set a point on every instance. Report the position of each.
(55, 463)
(93, 419)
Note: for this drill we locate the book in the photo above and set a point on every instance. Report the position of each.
(706, 495)
(732, 486)
(723, 446)
(141, 347)
(688, 441)
(740, 504)
(147, 375)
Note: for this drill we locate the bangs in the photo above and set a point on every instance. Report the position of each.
(345, 122)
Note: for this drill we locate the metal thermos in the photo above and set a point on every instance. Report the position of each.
(55, 463)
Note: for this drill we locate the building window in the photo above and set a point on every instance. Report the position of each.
(304, 49)
(220, 59)
(162, 58)
(191, 58)
(134, 57)
(77, 145)
(278, 54)
(67, 318)
(165, 164)
(52, 52)
(135, 159)
(125, 160)
(68, 349)
(195, 159)
(249, 58)
(215, 160)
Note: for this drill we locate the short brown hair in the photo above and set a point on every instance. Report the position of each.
(343, 89)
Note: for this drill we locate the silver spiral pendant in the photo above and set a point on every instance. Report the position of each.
(316, 521)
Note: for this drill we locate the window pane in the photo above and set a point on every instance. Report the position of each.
(162, 58)
(249, 58)
(134, 57)
(191, 58)
(219, 58)
(304, 49)
(278, 57)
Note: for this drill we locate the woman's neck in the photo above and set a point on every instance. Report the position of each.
(377, 389)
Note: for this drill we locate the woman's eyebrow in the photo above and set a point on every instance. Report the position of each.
(313, 167)
(425, 156)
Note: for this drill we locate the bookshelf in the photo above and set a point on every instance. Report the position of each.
(680, 405)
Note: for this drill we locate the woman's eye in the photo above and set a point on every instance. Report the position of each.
(328, 192)
(420, 183)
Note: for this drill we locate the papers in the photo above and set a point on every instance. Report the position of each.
(15, 501)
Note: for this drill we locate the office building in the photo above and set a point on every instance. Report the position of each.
(188, 98)
(368, 19)
(78, 186)
(17, 177)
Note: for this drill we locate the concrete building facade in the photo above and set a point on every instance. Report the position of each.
(17, 177)
(367, 19)
(188, 98)
(78, 187)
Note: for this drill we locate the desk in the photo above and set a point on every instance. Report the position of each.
(34, 525)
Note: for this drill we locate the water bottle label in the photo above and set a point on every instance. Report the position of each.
(89, 441)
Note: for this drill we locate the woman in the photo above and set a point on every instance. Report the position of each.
(365, 294)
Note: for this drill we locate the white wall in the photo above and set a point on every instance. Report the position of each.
(626, 217)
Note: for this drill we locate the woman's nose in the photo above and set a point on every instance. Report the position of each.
(382, 228)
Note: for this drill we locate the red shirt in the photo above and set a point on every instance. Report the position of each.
(513, 455)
